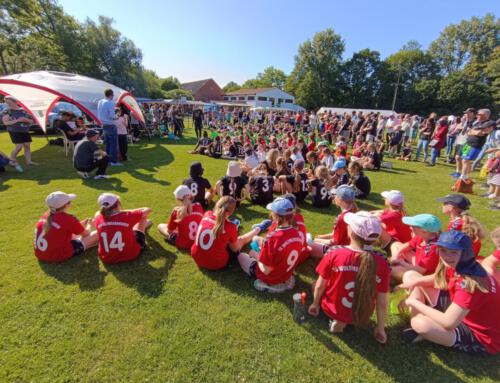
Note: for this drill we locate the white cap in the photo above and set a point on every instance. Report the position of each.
(58, 199)
(233, 169)
(181, 192)
(395, 197)
(107, 199)
(364, 224)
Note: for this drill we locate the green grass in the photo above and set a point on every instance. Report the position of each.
(161, 319)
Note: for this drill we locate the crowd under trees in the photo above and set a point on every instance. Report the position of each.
(461, 68)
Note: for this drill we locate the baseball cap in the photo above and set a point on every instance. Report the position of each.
(395, 197)
(281, 206)
(58, 199)
(458, 200)
(470, 110)
(233, 169)
(91, 133)
(427, 222)
(339, 164)
(196, 169)
(456, 240)
(291, 197)
(345, 193)
(181, 192)
(323, 143)
(364, 224)
(107, 199)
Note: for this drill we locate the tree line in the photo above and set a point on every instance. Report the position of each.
(461, 68)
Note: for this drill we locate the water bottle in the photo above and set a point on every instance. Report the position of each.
(299, 307)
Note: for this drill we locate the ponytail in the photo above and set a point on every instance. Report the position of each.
(48, 222)
(364, 290)
(109, 210)
(221, 207)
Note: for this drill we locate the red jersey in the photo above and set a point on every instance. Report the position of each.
(496, 254)
(394, 226)
(458, 224)
(280, 252)
(55, 245)
(339, 268)
(426, 255)
(311, 146)
(209, 252)
(484, 310)
(187, 228)
(301, 227)
(117, 241)
(340, 236)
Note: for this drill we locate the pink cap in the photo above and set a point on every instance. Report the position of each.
(364, 225)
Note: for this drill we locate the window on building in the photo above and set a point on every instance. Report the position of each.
(233, 98)
(289, 101)
(260, 98)
(251, 98)
(280, 100)
(241, 98)
(226, 98)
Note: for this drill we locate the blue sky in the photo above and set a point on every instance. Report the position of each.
(234, 40)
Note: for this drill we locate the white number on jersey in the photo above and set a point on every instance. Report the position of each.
(323, 192)
(292, 259)
(41, 243)
(345, 300)
(193, 228)
(194, 189)
(304, 185)
(265, 185)
(205, 239)
(116, 242)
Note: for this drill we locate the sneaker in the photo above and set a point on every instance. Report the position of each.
(411, 336)
(237, 222)
(492, 196)
(116, 164)
(101, 176)
(275, 289)
(309, 239)
(484, 195)
(455, 174)
(18, 168)
(263, 226)
(84, 175)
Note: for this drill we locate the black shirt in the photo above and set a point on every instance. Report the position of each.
(321, 196)
(375, 159)
(261, 189)
(233, 186)
(300, 195)
(85, 154)
(479, 141)
(343, 180)
(204, 141)
(362, 185)
(197, 116)
(198, 186)
(64, 127)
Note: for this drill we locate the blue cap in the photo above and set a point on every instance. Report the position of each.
(339, 164)
(427, 222)
(467, 265)
(345, 193)
(281, 206)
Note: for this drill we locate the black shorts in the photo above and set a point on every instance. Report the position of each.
(171, 238)
(20, 137)
(140, 238)
(465, 340)
(78, 247)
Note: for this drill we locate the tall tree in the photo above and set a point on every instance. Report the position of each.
(231, 86)
(269, 78)
(169, 83)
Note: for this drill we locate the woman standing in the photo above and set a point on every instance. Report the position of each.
(122, 123)
(18, 123)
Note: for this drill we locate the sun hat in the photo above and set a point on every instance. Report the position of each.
(107, 199)
(364, 225)
(196, 169)
(427, 222)
(58, 199)
(345, 193)
(458, 200)
(339, 164)
(281, 206)
(395, 197)
(181, 192)
(456, 240)
(233, 169)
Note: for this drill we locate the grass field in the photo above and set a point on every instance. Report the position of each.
(160, 319)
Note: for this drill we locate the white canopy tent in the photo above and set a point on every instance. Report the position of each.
(333, 110)
(38, 92)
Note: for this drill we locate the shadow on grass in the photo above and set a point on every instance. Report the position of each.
(139, 274)
(83, 270)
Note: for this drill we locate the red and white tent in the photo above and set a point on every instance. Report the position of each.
(38, 92)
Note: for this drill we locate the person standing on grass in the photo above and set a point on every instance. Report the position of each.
(87, 156)
(18, 123)
(122, 123)
(106, 114)
(438, 140)
(353, 281)
(59, 235)
(424, 137)
(198, 121)
(458, 306)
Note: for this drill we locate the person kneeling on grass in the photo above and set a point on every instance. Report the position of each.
(459, 305)
(184, 220)
(88, 156)
(420, 254)
(59, 235)
(354, 280)
(217, 238)
(121, 233)
(279, 254)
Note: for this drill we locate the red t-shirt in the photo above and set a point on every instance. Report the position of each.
(394, 226)
(426, 254)
(458, 224)
(281, 252)
(496, 254)
(117, 241)
(55, 246)
(340, 236)
(209, 252)
(301, 227)
(484, 311)
(311, 146)
(339, 268)
(187, 228)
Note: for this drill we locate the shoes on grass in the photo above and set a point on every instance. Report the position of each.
(84, 175)
(263, 226)
(101, 176)
(455, 174)
(116, 164)
(275, 289)
(411, 336)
